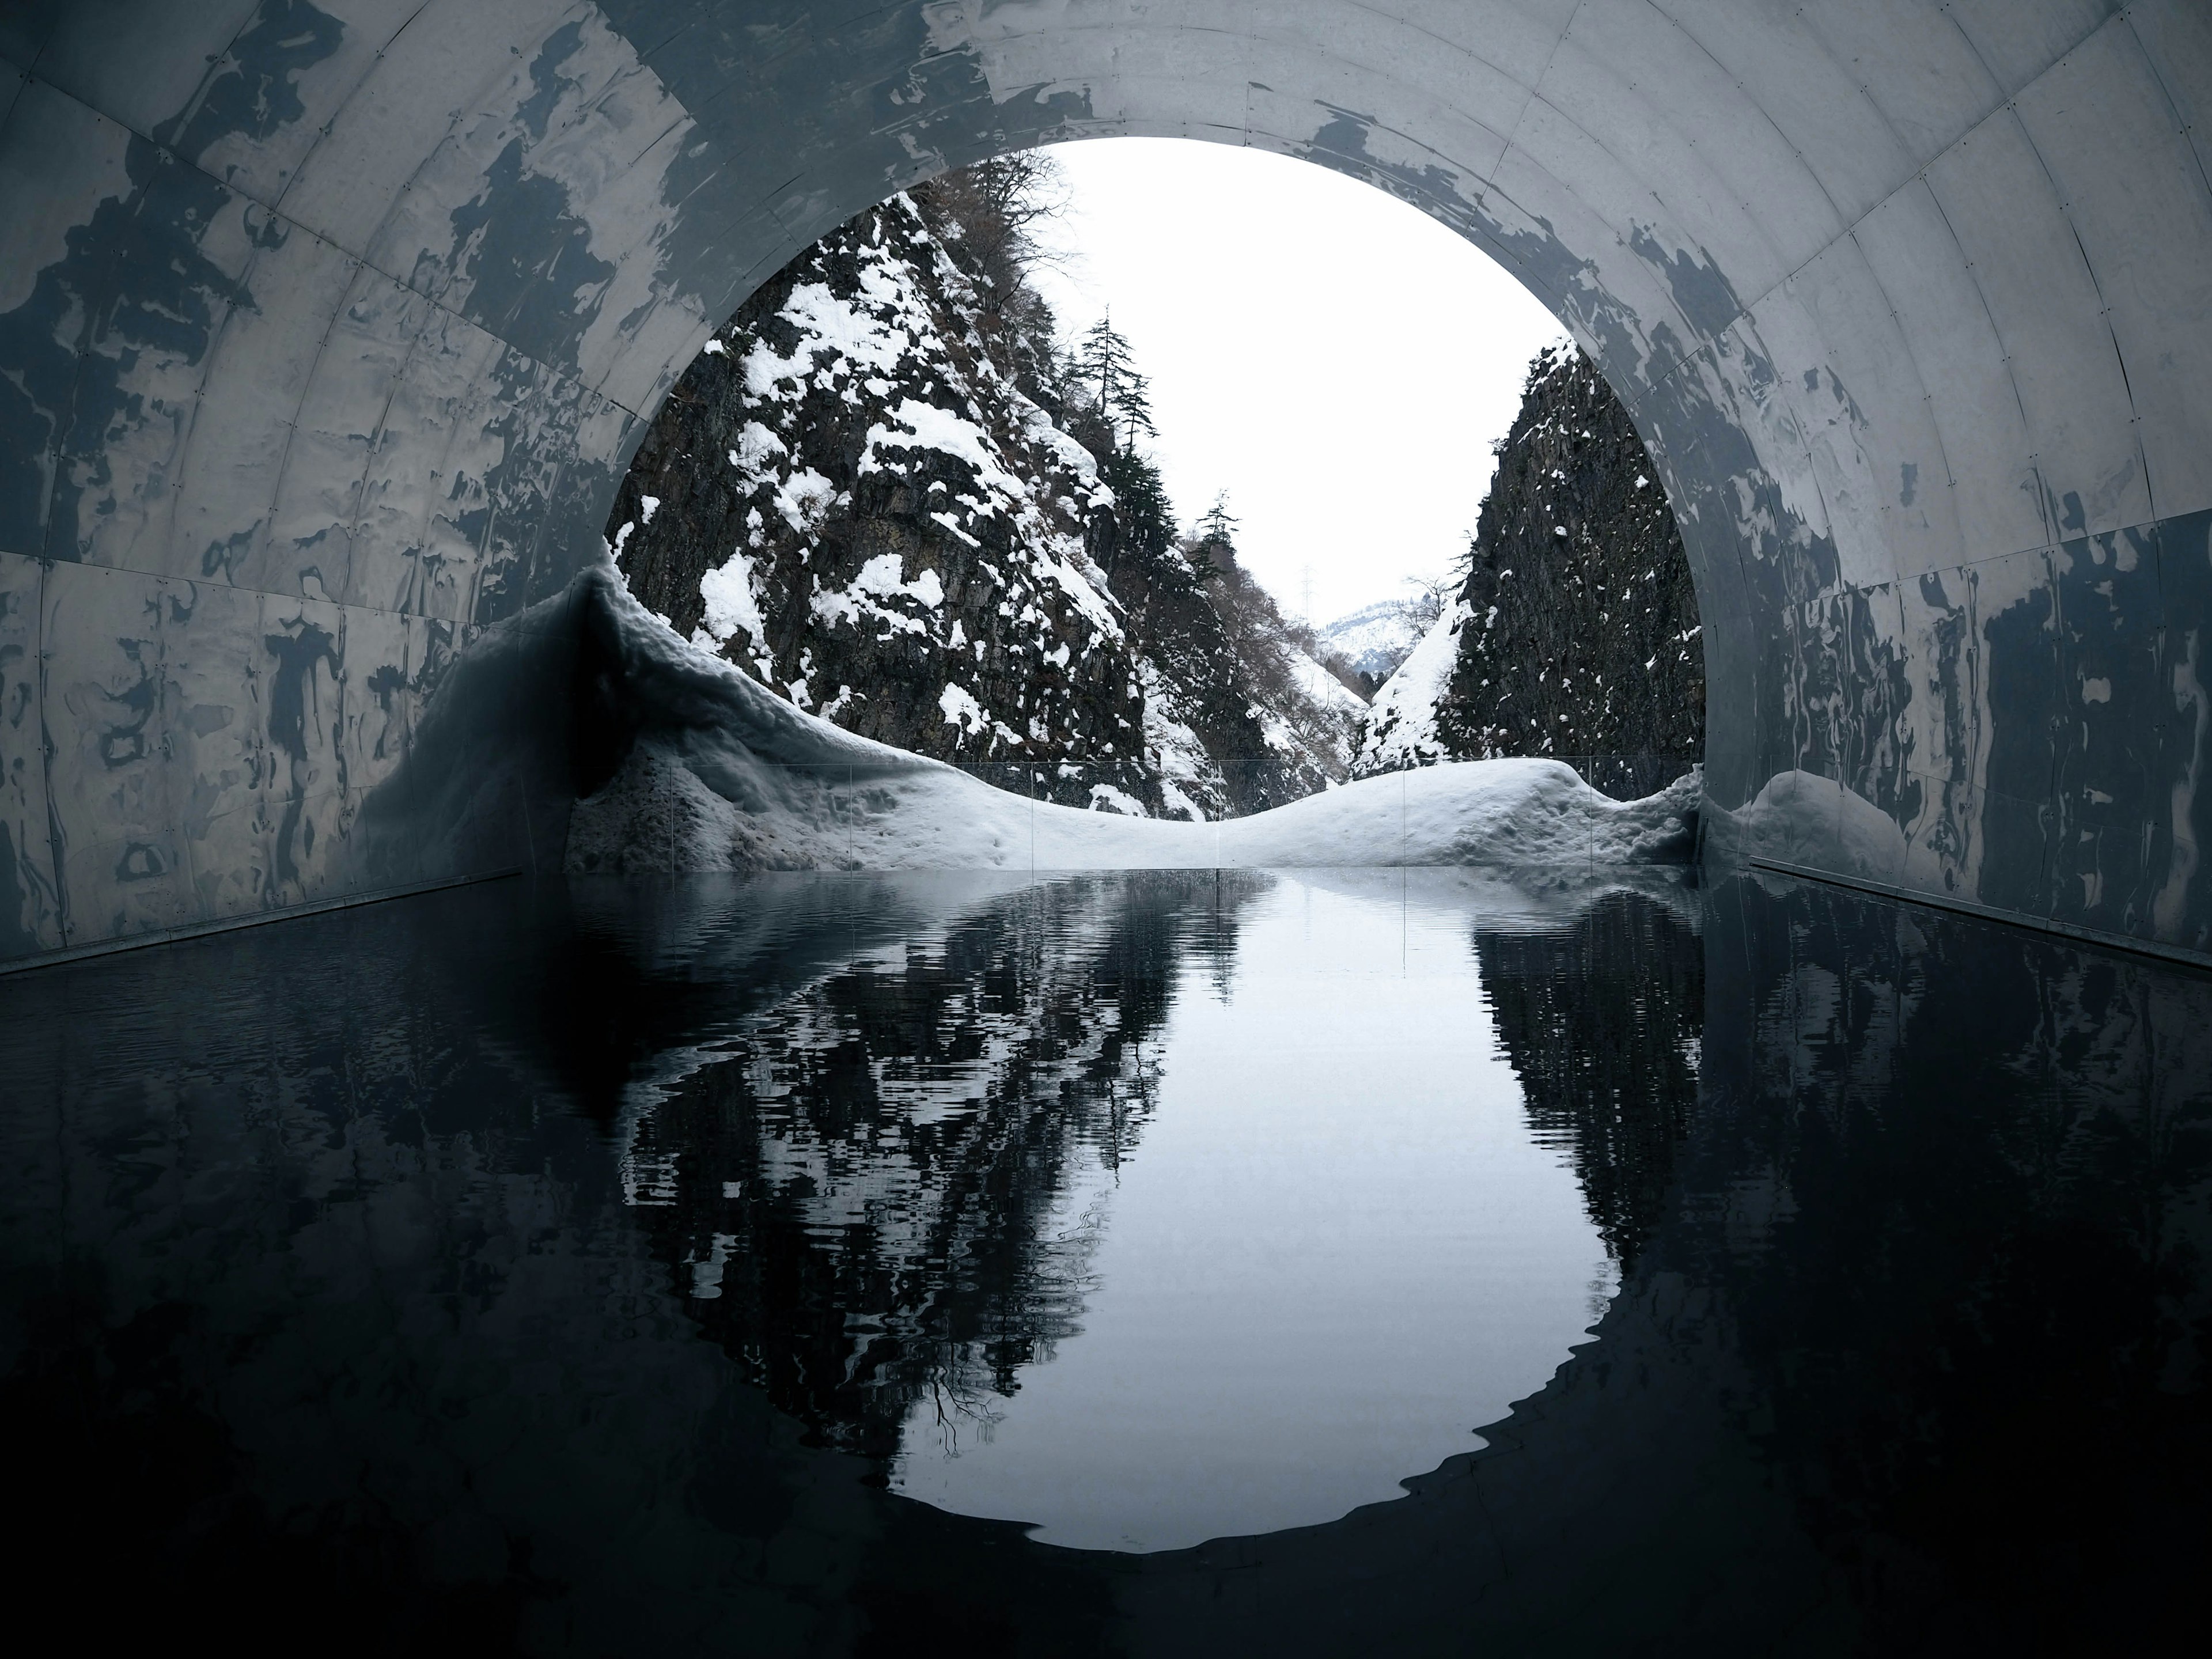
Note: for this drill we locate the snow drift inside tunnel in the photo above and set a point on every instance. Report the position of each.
(673, 760)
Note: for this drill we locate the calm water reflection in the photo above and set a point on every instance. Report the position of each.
(612, 1268)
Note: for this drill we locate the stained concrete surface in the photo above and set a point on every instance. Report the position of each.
(326, 332)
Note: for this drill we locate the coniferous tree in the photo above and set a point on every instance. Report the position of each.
(1216, 525)
(1147, 519)
(1102, 364)
(1213, 548)
(1132, 406)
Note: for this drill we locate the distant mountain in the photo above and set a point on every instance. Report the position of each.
(1373, 639)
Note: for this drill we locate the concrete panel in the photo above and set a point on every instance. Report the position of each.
(1842, 365)
(153, 313)
(2176, 36)
(114, 791)
(1676, 148)
(24, 27)
(137, 883)
(2113, 144)
(1971, 398)
(1474, 39)
(2022, 704)
(1733, 428)
(2027, 263)
(1917, 68)
(1556, 170)
(1846, 690)
(256, 383)
(137, 65)
(289, 73)
(2110, 840)
(213, 702)
(63, 169)
(30, 900)
(435, 443)
(2019, 42)
(428, 78)
(12, 83)
(316, 517)
(1806, 116)
(2181, 908)
(325, 720)
(1942, 638)
(1941, 839)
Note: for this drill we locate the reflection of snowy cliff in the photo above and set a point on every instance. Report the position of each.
(882, 1186)
(1601, 1018)
(882, 1190)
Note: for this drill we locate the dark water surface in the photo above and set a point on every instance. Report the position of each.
(1367, 1261)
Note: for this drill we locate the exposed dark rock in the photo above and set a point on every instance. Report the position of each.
(1575, 632)
(852, 498)
(1228, 729)
(879, 491)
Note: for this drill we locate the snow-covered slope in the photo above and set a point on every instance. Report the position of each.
(1401, 722)
(1324, 688)
(850, 496)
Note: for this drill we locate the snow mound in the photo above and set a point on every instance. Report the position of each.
(723, 774)
(1801, 817)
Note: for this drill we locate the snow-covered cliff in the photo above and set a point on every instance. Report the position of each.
(859, 495)
(1574, 630)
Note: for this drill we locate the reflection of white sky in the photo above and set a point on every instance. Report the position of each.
(1334, 1253)
(1338, 362)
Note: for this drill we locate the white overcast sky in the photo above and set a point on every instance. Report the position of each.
(1336, 361)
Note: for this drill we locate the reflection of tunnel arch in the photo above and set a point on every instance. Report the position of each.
(343, 318)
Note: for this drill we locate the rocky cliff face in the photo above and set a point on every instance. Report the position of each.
(1237, 719)
(849, 495)
(1575, 630)
(866, 492)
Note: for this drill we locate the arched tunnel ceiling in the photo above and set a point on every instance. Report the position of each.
(325, 331)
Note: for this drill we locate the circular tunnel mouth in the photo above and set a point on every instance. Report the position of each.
(897, 491)
(1266, 1227)
(412, 362)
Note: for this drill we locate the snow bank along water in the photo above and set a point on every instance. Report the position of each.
(706, 769)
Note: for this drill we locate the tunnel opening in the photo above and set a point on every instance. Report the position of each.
(901, 491)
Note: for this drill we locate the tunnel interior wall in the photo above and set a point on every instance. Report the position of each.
(327, 330)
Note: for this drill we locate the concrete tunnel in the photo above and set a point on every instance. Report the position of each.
(327, 330)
